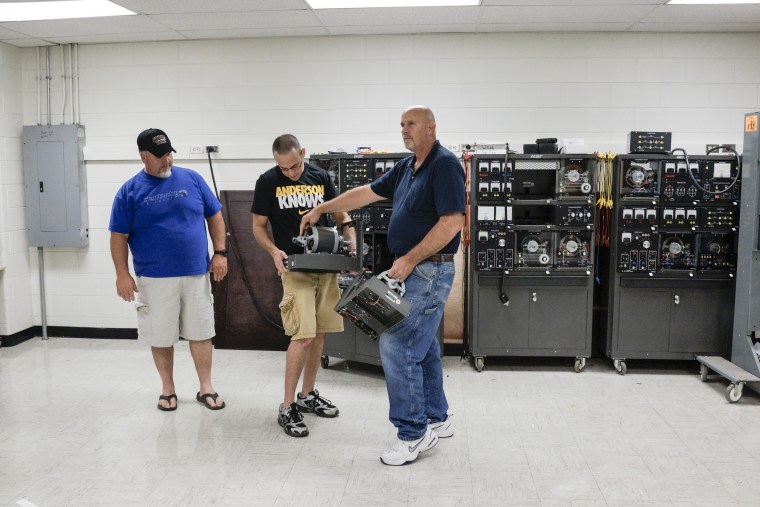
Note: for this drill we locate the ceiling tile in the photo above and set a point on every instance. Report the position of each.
(419, 16)
(180, 6)
(704, 14)
(247, 33)
(239, 20)
(86, 26)
(401, 29)
(565, 14)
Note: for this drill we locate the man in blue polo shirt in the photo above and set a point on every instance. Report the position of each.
(428, 193)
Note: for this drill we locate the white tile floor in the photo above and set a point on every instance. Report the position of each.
(79, 427)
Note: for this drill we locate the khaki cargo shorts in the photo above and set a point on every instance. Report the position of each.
(168, 308)
(308, 304)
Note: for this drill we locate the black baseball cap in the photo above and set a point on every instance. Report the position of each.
(155, 141)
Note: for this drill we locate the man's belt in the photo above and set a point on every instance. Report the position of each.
(440, 258)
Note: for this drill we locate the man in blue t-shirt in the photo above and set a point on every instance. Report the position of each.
(428, 193)
(160, 214)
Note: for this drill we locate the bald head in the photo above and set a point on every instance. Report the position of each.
(418, 129)
(424, 111)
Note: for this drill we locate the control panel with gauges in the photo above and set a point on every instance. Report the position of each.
(520, 202)
(531, 254)
(639, 177)
(673, 256)
(690, 205)
(355, 170)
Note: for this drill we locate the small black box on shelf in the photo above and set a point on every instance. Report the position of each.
(649, 142)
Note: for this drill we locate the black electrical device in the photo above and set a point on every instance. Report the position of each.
(374, 303)
(649, 142)
(325, 251)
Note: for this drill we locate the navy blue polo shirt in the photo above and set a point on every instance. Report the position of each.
(421, 197)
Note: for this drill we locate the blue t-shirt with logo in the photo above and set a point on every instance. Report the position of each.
(166, 222)
(421, 197)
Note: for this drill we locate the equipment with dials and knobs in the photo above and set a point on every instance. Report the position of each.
(573, 250)
(717, 251)
(535, 249)
(678, 251)
(575, 177)
(678, 183)
(639, 178)
(670, 293)
(531, 256)
(637, 251)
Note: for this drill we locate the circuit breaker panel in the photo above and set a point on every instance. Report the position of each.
(56, 186)
(531, 256)
(673, 256)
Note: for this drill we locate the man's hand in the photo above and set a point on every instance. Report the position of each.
(401, 269)
(279, 261)
(126, 287)
(218, 267)
(310, 218)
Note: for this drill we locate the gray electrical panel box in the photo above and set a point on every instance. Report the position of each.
(56, 185)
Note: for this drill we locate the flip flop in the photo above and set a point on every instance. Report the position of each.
(168, 398)
(204, 399)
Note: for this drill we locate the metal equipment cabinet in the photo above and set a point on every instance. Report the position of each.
(351, 344)
(531, 256)
(672, 257)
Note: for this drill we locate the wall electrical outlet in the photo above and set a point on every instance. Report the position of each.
(709, 147)
(212, 149)
(196, 149)
(453, 147)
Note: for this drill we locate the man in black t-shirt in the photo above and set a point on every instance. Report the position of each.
(283, 195)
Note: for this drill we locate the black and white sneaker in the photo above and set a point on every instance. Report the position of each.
(316, 404)
(291, 421)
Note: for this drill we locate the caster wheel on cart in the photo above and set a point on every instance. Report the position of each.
(580, 363)
(479, 363)
(620, 366)
(325, 362)
(734, 392)
(703, 370)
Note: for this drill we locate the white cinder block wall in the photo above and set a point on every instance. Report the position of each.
(348, 92)
(15, 287)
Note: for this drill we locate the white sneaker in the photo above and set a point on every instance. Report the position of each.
(443, 429)
(406, 451)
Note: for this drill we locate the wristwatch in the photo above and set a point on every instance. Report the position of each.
(220, 252)
(348, 224)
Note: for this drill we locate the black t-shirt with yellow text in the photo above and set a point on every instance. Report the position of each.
(285, 202)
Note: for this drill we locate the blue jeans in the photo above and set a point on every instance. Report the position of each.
(411, 354)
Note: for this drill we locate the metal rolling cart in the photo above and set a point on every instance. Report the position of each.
(744, 367)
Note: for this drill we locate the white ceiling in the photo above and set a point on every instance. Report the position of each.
(161, 20)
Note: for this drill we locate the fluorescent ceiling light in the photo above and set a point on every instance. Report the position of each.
(712, 2)
(63, 9)
(362, 4)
